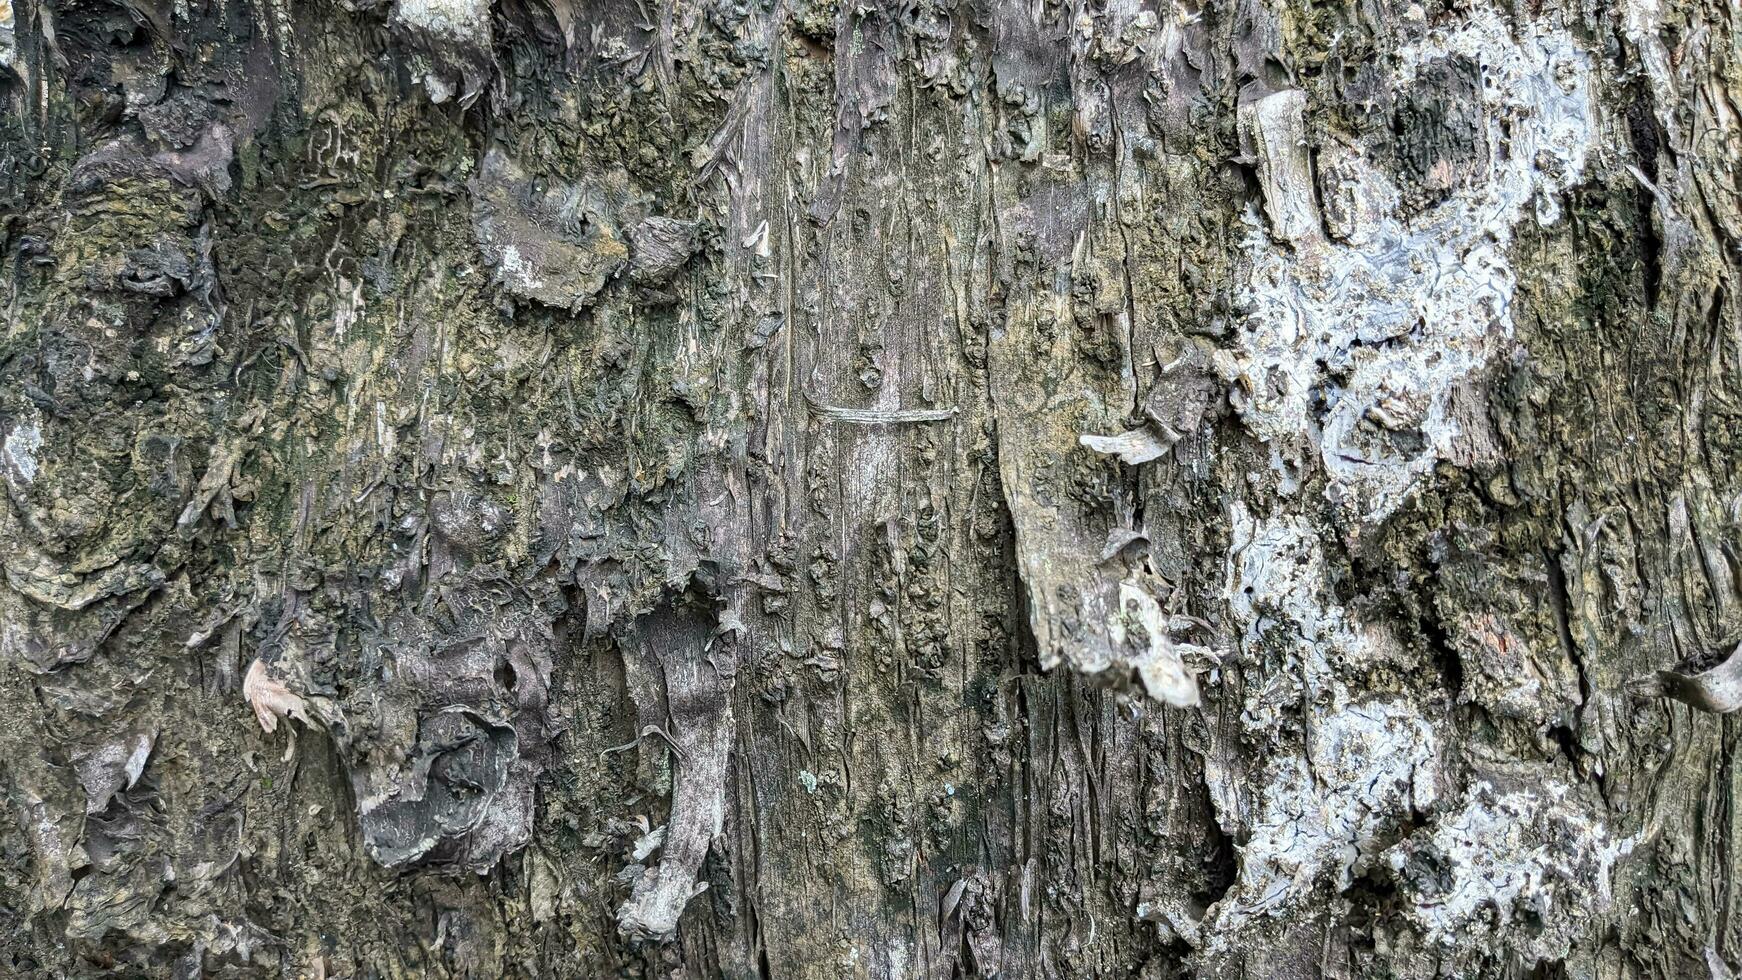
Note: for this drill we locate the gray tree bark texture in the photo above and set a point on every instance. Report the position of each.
(944, 488)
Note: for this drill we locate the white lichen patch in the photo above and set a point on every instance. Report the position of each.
(1360, 768)
(455, 20)
(1279, 596)
(518, 272)
(1363, 327)
(1276, 573)
(1367, 767)
(19, 451)
(1356, 341)
(1379, 287)
(456, 44)
(1528, 866)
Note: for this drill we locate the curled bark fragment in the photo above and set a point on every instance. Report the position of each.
(672, 680)
(1717, 690)
(271, 700)
(1275, 128)
(1144, 627)
(1135, 447)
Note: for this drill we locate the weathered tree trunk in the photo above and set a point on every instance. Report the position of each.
(773, 489)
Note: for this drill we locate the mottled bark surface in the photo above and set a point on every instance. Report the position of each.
(775, 489)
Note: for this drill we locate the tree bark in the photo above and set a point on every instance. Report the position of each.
(777, 489)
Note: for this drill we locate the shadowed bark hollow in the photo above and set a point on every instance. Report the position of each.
(780, 489)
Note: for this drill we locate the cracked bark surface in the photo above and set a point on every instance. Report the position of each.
(781, 489)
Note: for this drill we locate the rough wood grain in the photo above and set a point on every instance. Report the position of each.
(784, 489)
